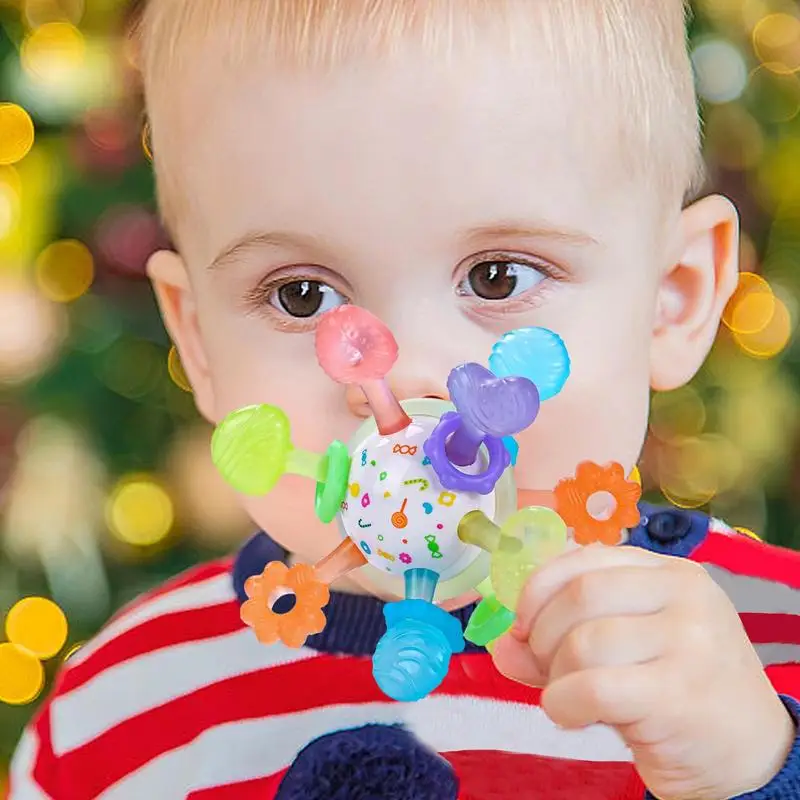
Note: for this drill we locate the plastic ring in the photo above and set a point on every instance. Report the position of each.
(331, 492)
(453, 478)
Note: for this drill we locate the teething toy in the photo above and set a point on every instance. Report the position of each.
(527, 539)
(614, 499)
(296, 625)
(422, 495)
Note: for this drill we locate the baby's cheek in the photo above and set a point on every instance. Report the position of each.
(287, 515)
(600, 420)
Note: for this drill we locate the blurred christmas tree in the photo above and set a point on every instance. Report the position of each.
(105, 480)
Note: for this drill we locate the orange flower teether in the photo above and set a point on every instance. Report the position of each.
(303, 620)
(593, 483)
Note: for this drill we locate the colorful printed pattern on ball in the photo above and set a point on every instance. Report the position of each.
(397, 511)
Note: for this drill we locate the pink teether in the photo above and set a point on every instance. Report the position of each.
(355, 347)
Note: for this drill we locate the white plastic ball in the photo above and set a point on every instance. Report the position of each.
(400, 515)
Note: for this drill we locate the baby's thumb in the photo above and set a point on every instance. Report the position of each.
(516, 661)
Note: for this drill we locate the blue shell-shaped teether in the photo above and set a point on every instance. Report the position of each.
(537, 354)
(413, 656)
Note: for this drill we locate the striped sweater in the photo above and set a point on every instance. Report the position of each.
(175, 698)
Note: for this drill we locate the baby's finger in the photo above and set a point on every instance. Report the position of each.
(548, 580)
(610, 642)
(515, 660)
(615, 696)
(613, 592)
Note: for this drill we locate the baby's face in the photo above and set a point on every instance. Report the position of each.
(455, 204)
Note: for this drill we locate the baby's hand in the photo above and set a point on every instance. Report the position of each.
(651, 646)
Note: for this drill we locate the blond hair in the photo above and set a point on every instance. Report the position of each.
(632, 53)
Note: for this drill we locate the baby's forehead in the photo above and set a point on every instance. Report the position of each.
(416, 154)
(581, 74)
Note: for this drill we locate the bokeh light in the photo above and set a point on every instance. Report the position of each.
(53, 52)
(778, 179)
(751, 306)
(776, 41)
(126, 236)
(736, 135)
(677, 414)
(21, 675)
(65, 270)
(16, 133)
(720, 71)
(205, 503)
(176, 370)
(778, 95)
(31, 331)
(132, 368)
(689, 472)
(72, 651)
(772, 338)
(10, 201)
(37, 625)
(140, 511)
(146, 138)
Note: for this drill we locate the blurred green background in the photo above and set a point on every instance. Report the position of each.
(106, 484)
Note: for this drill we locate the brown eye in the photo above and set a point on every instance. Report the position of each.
(304, 299)
(500, 280)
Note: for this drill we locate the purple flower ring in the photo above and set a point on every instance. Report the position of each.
(449, 475)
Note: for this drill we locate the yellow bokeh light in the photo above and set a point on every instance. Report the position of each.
(776, 40)
(725, 459)
(146, 146)
(752, 12)
(688, 472)
(635, 476)
(140, 511)
(751, 306)
(176, 370)
(778, 179)
(770, 340)
(778, 94)
(748, 532)
(9, 210)
(677, 414)
(16, 133)
(37, 625)
(53, 51)
(21, 675)
(72, 650)
(65, 270)
(735, 136)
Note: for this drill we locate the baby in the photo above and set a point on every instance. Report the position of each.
(461, 168)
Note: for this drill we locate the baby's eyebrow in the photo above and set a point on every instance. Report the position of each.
(475, 236)
(514, 229)
(254, 240)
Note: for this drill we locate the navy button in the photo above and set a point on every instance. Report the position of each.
(667, 527)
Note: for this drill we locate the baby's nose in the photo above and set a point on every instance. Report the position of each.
(402, 389)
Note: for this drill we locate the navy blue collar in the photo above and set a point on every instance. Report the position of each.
(356, 623)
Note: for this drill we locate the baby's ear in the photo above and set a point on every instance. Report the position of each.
(175, 296)
(693, 293)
